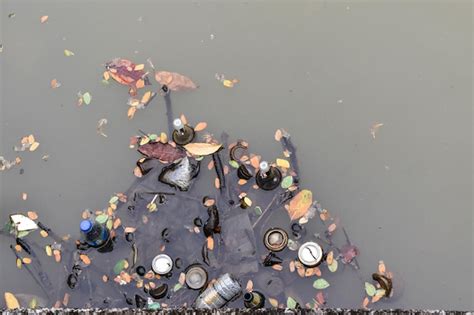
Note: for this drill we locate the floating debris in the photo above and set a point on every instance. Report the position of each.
(44, 18)
(174, 81)
(100, 127)
(179, 175)
(68, 53)
(27, 142)
(55, 84)
(375, 127)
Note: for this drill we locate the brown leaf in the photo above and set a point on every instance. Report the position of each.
(32, 215)
(162, 151)
(249, 287)
(382, 268)
(174, 81)
(199, 149)
(200, 126)
(43, 19)
(300, 204)
(85, 259)
(210, 243)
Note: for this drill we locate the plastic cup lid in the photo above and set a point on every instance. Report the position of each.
(162, 264)
(310, 254)
(196, 277)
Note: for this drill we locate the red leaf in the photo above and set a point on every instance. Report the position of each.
(162, 151)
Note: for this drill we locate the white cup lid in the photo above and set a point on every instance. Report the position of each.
(162, 264)
(310, 254)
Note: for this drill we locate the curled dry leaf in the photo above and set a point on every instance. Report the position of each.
(100, 127)
(300, 204)
(200, 149)
(174, 81)
(375, 127)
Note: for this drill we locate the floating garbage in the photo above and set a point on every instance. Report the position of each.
(160, 244)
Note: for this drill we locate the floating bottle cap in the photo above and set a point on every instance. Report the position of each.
(310, 254)
(178, 124)
(162, 264)
(275, 239)
(86, 226)
(264, 166)
(196, 277)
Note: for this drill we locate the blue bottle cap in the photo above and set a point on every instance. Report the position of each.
(86, 225)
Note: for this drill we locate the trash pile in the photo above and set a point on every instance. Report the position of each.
(161, 245)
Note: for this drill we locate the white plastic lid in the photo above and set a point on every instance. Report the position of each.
(264, 166)
(162, 264)
(310, 254)
(178, 124)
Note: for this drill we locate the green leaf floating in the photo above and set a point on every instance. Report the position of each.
(119, 266)
(87, 98)
(287, 182)
(258, 211)
(114, 199)
(370, 289)
(234, 164)
(177, 286)
(321, 284)
(101, 218)
(333, 267)
(291, 303)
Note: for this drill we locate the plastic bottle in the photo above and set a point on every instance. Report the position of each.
(182, 133)
(254, 299)
(268, 177)
(95, 234)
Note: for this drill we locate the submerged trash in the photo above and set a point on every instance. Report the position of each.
(275, 239)
(310, 254)
(162, 264)
(254, 299)
(268, 177)
(182, 133)
(179, 175)
(219, 293)
(196, 277)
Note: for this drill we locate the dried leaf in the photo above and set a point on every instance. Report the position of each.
(201, 149)
(330, 257)
(300, 204)
(365, 303)
(44, 18)
(278, 135)
(131, 112)
(200, 126)
(174, 81)
(48, 250)
(34, 146)
(255, 161)
(26, 260)
(382, 268)
(228, 83)
(210, 243)
(100, 127)
(277, 267)
(332, 227)
(375, 127)
(11, 301)
(55, 84)
(249, 287)
(85, 259)
(162, 151)
(273, 302)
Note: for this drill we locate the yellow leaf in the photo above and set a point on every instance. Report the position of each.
(131, 112)
(34, 146)
(228, 83)
(11, 301)
(283, 163)
(139, 67)
(200, 149)
(210, 243)
(300, 204)
(106, 75)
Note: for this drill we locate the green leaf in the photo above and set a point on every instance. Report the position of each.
(154, 306)
(119, 266)
(101, 218)
(22, 234)
(258, 211)
(33, 303)
(287, 182)
(199, 158)
(291, 303)
(370, 289)
(177, 286)
(153, 137)
(68, 53)
(105, 82)
(333, 267)
(110, 223)
(380, 292)
(87, 98)
(234, 163)
(321, 284)
(114, 199)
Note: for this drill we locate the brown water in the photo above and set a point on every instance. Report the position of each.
(326, 72)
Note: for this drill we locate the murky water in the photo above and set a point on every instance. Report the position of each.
(326, 72)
